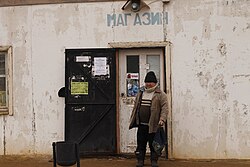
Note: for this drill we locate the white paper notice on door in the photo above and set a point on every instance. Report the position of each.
(100, 64)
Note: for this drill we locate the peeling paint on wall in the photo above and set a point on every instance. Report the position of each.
(217, 89)
(204, 79)
(211, 61)
(222, 49)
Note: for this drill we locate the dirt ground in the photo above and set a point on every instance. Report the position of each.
(46, 161)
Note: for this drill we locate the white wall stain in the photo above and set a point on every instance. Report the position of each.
(217, 89)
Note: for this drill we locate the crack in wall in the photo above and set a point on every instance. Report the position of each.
(4, 135)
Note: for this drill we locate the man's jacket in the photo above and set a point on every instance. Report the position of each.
(159, 110)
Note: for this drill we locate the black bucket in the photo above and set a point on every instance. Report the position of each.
(66, 153)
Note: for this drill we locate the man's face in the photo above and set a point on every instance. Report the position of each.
(149, 84)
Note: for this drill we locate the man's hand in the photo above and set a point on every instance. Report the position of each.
(161, 123)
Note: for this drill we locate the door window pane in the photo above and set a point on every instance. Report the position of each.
(133, 64)
(154, 65)
(132, 80)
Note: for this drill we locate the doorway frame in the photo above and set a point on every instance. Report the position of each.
(167, 88)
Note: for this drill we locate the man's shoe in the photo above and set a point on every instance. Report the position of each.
(140, 163)
(154, 163)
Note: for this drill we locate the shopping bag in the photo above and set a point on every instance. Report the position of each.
(159, 141)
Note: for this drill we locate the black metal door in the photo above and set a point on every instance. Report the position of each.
(90, 112)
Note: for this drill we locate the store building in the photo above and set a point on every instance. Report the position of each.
(198, 49)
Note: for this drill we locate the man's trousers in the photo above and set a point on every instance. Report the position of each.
(143, 137)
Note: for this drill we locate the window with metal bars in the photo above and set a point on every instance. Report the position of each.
(5, 80)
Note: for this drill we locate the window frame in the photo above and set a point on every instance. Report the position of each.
(8, 110)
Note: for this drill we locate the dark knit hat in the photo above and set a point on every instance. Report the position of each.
(150, 77)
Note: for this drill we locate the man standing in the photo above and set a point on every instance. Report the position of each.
(149, 112)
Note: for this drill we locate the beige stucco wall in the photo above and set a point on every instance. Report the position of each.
(211, 78)
(210, 70)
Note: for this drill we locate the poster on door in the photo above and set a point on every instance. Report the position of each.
(79, 88)
(132, 84)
